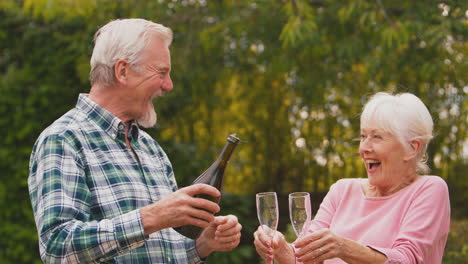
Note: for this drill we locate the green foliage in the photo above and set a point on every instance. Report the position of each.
(456, 250)
(289, 77)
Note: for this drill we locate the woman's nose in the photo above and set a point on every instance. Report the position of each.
(365, 145)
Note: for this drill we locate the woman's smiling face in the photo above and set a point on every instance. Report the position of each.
(383, 156)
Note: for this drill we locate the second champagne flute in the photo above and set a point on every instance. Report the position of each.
(300, 212)
(267, 212)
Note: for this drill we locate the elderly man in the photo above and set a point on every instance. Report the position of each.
(102, 189)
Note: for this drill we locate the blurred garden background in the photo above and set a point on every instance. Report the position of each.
(288, 76)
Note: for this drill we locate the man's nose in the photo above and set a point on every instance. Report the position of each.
(167, 85)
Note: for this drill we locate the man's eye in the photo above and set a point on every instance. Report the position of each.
(377, 136)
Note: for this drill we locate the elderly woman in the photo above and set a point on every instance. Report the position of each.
(397, 215)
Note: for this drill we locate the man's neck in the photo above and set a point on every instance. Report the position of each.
(112, 99)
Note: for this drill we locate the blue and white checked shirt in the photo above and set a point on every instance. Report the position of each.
(86, 187)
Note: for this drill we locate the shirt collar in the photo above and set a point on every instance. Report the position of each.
(107, 121)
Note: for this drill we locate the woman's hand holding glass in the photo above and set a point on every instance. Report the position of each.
(319, 246)
(267, 212)
(269, 247)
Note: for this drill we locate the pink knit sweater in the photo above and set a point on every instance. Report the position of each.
(410, 226)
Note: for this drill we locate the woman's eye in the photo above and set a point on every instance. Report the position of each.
(377, 136)
(363, 137)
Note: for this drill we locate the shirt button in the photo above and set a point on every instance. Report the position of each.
(101, 259)
(121, 126)
(169, 260)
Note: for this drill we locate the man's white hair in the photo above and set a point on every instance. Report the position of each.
(404, 116)
(122, 39)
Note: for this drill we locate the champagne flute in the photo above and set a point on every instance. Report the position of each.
(300, 212)
(267, 212)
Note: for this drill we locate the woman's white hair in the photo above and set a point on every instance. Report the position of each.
(404, 116)
(122, 39)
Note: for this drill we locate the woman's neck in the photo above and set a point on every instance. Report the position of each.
(382, 191)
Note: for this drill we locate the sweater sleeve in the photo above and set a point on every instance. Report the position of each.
(424, 229)
(327, 209)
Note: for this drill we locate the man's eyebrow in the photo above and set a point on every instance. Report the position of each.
(163, 68)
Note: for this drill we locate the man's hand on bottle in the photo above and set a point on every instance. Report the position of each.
(181, 208)
(223, 234)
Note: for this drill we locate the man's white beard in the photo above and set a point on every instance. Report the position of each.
(149, 118)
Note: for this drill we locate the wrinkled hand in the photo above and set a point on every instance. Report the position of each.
(181, 208)
(271, 244)
(319, 246)
(223, 234)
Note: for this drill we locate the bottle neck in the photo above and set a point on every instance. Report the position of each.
(226, 153)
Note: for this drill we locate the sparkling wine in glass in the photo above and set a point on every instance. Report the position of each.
(267, 212)
(300, 212)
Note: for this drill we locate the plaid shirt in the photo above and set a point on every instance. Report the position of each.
(86, 187)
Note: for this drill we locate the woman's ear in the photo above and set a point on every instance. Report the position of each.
(415, 147)
(121, 68)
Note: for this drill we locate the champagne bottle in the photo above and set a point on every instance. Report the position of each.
(213, 176)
